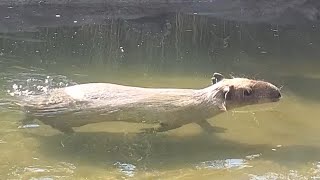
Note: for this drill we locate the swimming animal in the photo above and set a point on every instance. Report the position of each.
(167, 108)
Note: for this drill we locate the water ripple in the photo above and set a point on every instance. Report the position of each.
(126, 168)
(223, 164)
(40, 172)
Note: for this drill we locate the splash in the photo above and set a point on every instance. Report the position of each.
(25, 84)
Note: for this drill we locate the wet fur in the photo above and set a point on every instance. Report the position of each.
(83, 104)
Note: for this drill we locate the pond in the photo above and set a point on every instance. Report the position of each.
(177, 50)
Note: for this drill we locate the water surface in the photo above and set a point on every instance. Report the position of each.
(276, 141)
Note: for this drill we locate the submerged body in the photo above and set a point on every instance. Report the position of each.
(78, 105)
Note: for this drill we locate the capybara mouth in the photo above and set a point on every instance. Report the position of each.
(275, 99)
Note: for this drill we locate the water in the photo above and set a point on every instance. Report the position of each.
(276, 141)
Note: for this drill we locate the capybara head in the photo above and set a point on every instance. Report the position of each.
(238, 92)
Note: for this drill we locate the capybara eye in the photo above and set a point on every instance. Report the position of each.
(247, 92)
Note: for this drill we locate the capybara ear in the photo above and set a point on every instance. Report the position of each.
(228, 91)
(216, 78)
(227, 94)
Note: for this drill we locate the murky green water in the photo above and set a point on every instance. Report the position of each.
(278, 141)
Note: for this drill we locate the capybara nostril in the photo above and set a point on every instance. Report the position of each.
(279, 95)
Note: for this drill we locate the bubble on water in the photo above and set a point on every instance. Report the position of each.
(15, 86)
(127, 169)
(251, 157)
(223, 164)
(29, 126)
(26, 92)
(45, 89)
(121, 49)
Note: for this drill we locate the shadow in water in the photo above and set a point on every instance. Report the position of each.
(163, 151)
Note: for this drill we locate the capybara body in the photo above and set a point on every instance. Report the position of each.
(78, 105)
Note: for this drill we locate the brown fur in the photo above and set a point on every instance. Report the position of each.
(83, 104)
